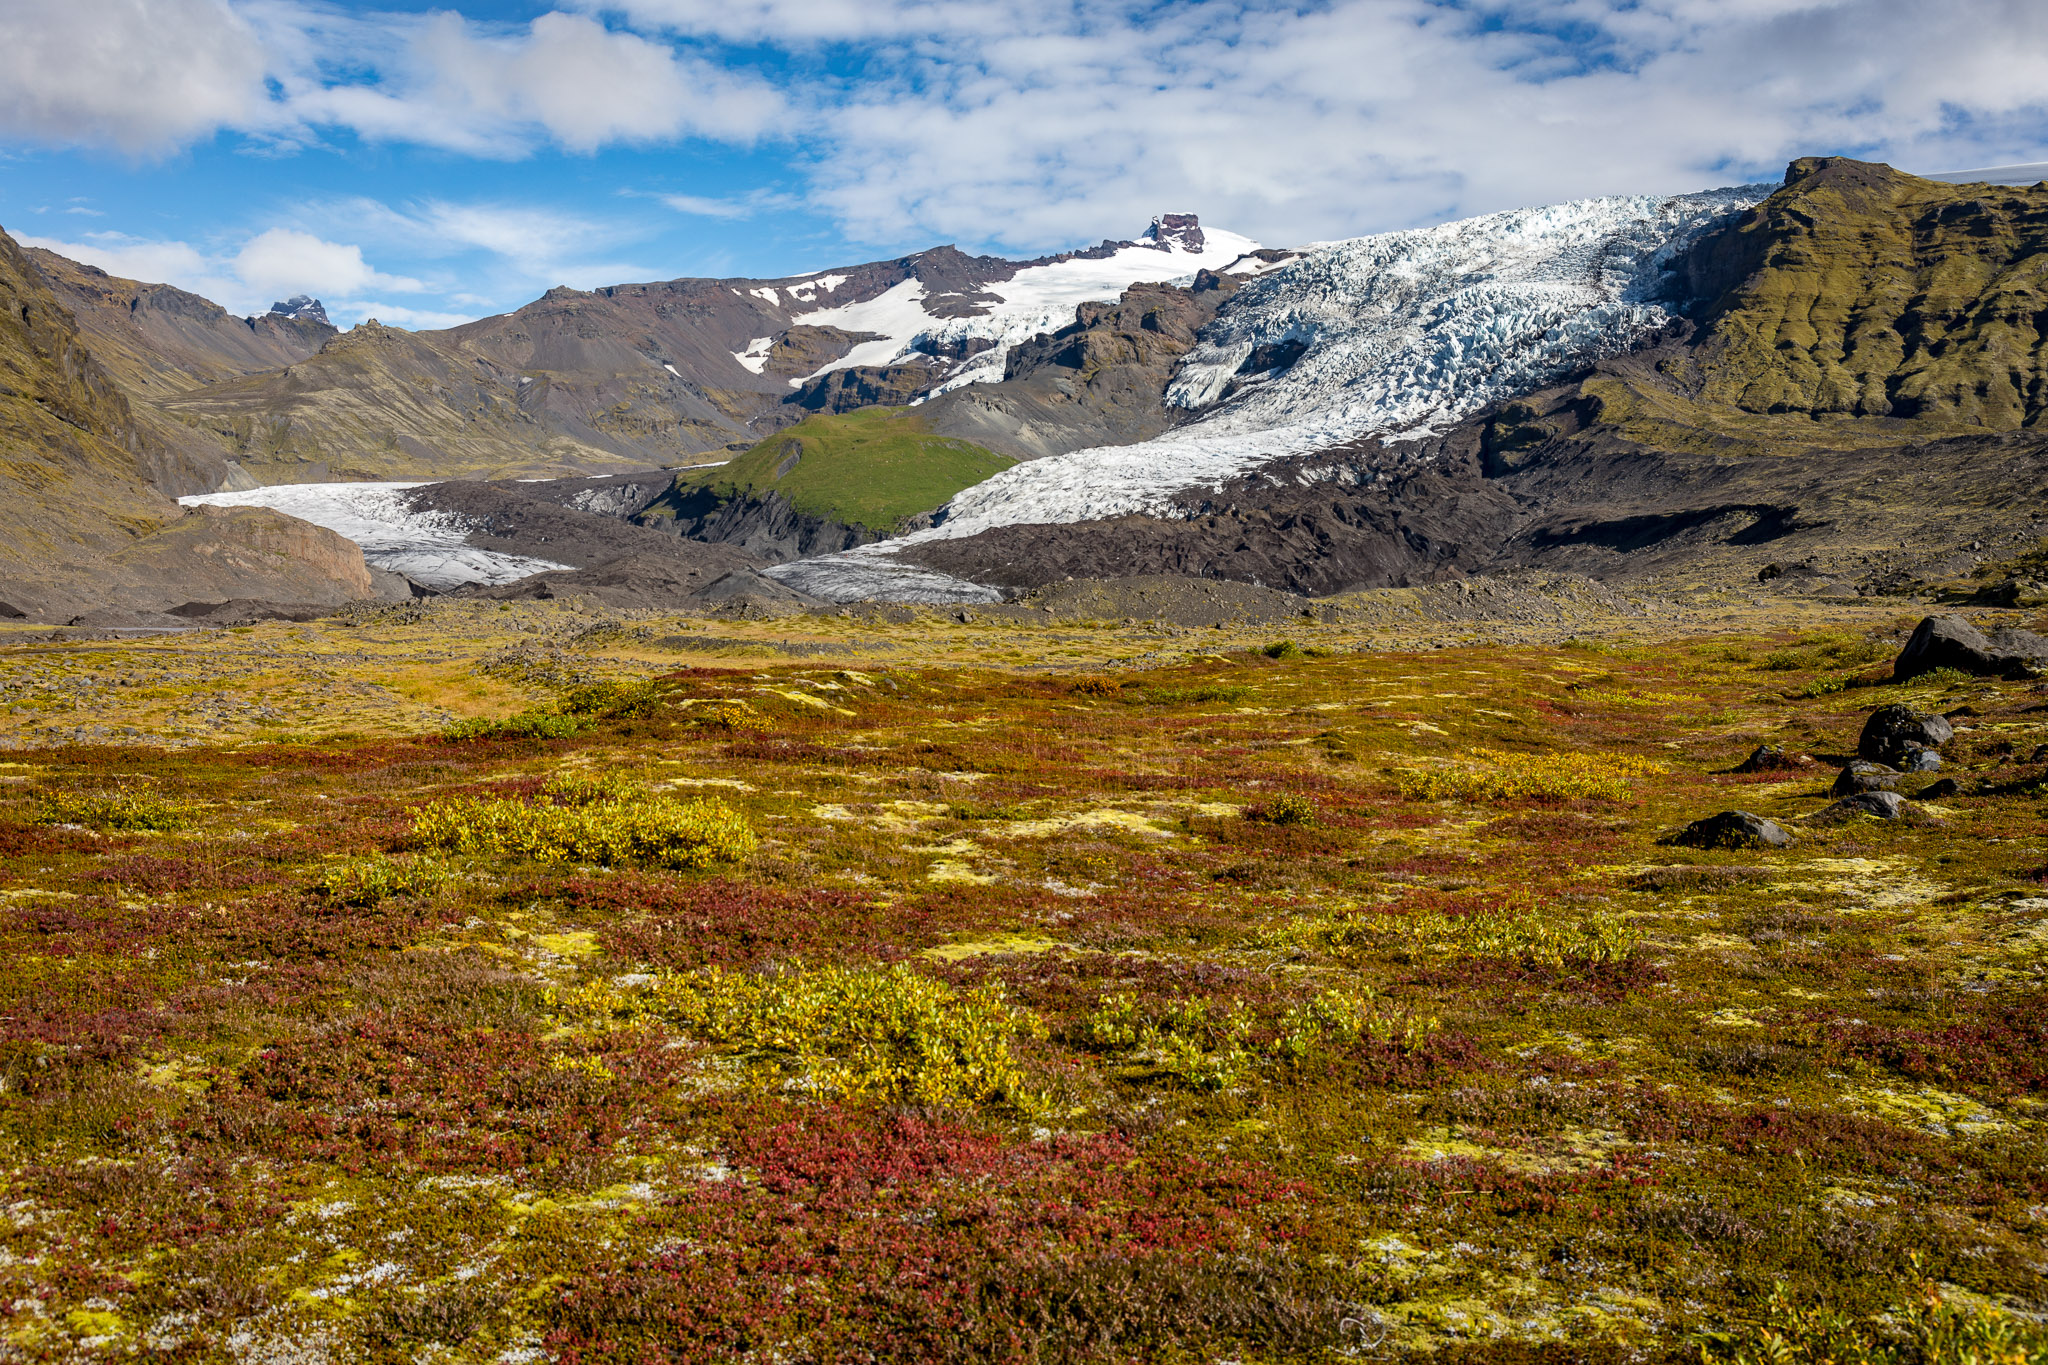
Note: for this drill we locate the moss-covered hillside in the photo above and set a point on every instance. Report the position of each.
(873, 468)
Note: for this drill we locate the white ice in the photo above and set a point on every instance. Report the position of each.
(425, 546)
(1405, 332)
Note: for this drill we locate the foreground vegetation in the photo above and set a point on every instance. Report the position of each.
(1263, 1004)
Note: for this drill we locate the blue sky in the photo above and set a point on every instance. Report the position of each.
(425, 164)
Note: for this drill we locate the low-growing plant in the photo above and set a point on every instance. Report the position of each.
(1283, 649)
(519, 725)
(1498, 775)
(123, 810)
(1827, 651)
(1187, 1039)
(1338, 1020)
(657, 833)
(731, 715)
(590, 788)
(1177, 696)
(1287, 808)
(367, 881)
(870, 1035)
(611, 698)
(1095, 687)
(1512, 931)
(1929, 1331)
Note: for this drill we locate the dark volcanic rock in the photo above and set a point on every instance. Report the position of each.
(862, 386)
(1877, 805)
(1771, 758)
(1935, 791)
(1894, 733)
(1861, 775)
(1952, 642)
(1732, 829)
(505, 517)
(764, 525)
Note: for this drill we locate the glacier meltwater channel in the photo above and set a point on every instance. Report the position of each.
(1404, 332)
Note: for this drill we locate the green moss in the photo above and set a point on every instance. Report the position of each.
(870, 468)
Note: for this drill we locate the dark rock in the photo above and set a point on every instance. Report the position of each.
(1861, 775)
(1732, 829)
(1919, 759)
(1935, 791)
(1771, 758)
(1952, 642)
(10, 612)
(1877, 805)
(1894, 731)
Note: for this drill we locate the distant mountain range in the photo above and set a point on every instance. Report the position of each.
(1639, 385)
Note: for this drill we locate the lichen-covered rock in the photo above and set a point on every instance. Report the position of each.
(1878, 805)
(1895, 731)
(1861, 775)
(1733, 829)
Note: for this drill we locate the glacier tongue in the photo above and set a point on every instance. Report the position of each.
(1405, 332)
(428, 547)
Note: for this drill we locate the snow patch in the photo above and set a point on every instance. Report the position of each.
(755, 357)
(428, 547)
(767, 292)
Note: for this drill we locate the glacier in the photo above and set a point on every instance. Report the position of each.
(427, 547)
(1405, 333)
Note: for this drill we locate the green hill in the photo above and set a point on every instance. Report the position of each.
(874, 468)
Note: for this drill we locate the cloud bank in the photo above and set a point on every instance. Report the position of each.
(1036, 123)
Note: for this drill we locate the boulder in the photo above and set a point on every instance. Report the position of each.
(1732, 829)
(1894, 731)
(1861, 775)
(1952, 642)
(1878, 805)
(1771, 758)
(1935, 791)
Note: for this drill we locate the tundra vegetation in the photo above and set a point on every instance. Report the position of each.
(505, 988)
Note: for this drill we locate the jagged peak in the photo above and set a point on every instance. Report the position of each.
(301, 308)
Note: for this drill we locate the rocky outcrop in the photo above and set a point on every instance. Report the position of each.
(1897, 734)
(1952, 642)
(761, 523)
(1733, 829)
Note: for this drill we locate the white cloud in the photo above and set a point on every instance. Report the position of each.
(1036, 122)
(143, 76)
(699, 207)
(282, 262)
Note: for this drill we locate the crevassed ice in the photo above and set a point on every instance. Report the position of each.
(428, 547)
(1405, 332)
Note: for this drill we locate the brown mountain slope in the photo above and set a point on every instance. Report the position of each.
(378, 402)
(158, 341)
(81, 524)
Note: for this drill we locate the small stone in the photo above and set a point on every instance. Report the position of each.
(1733, 829)
(1861, 775)
(1771, 758)
(1935, 791)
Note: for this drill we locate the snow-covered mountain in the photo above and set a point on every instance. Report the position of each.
(1393, 334)
(969, 334)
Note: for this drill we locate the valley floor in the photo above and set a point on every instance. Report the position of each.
(1109, 977)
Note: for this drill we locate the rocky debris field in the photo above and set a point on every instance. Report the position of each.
(473, 980)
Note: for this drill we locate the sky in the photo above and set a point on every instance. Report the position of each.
(426, 165)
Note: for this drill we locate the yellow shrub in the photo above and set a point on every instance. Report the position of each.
(1511, 932)
(1341, 1019)
(1497, 775)
(884, 1035)
(659, 833)
(366, 881)
(124, 809)
(1185, 1038)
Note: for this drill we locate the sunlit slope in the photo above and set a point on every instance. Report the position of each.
(873, 468)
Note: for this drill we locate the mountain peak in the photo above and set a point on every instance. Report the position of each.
(300, 308)
(1176, 232)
